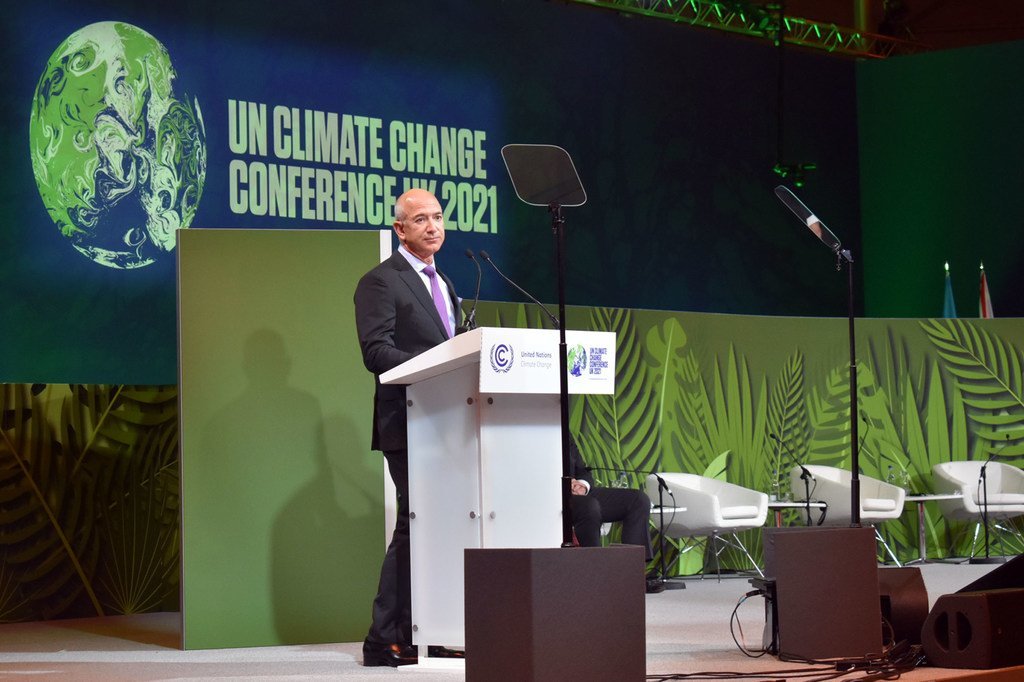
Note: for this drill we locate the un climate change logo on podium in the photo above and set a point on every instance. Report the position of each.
(576, 358)
(502, 356)
(119, 159)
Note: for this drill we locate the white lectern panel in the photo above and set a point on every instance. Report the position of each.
(521, 465)
(444, 500)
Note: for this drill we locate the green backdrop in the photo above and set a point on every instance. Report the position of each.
(282, 512)
(90, 473)
(700, 393)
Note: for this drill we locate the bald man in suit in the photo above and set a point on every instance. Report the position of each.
(397, 317)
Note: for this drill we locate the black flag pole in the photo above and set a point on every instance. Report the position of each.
(544, 175)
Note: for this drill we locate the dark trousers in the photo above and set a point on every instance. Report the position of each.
(602, 505)
(392, 607)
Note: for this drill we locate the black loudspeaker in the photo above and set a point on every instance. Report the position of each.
(1010, 574)
(976, 629)
(904, 602)
(981, 625)
(825, 595)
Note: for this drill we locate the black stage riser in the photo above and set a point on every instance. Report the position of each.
(826, 591)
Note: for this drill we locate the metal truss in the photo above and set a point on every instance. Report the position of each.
(761, 20)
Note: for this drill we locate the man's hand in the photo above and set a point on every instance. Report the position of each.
(578, 488)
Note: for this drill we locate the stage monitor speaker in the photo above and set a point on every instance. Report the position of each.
(904, 602)
(825, 590)
(1010, 574)
(978, 630)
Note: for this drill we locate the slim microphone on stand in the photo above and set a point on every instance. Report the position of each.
(829, 239)
(663, 489)
(470, 322)
(805, 475)
(983, 481)
(554, 320)
(808, 218)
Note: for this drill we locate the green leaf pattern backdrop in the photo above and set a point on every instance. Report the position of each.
(89, 515)
(89, 495)
(700, 393)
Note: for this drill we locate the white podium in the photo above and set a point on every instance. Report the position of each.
(485, 460)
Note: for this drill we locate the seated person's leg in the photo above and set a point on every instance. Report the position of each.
(632, 508)
(586, 519)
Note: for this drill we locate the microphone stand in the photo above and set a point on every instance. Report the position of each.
(662, 487)
(842, 255)
(825, 235)
(984, 506)
(805, 475)
(984, 511)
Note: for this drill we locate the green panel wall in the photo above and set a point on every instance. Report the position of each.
(90, 516)
(282, 513)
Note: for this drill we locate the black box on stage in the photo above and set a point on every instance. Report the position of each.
(981, 625)
(825, 593)
(904, 601)
(534, 615)
(976, 629)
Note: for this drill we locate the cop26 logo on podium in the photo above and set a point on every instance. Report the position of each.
(576, 358)
(118, 157)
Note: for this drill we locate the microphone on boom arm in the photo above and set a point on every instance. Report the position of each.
(983, 484)
(470, 321)
(554, 320)
(805, 475)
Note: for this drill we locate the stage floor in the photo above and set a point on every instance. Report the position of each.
(687, 632)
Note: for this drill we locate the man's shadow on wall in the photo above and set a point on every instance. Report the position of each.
(257, 449)
(326, 543)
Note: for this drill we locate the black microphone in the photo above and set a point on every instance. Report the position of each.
(808, 218)
(806, 474)
(554, 320)
(470, 321)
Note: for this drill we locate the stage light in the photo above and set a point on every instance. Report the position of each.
(796, 172)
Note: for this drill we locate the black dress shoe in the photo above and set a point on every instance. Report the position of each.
(444, 652)
(392, 655)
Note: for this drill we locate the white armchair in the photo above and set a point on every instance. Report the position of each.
(713, 508)
(1005, 484)
(879, 501)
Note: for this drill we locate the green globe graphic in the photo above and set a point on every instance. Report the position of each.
(118, 158)
(576, 359)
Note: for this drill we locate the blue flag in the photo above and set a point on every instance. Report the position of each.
(949, 307)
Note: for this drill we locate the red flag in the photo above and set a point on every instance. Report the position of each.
(984, 300)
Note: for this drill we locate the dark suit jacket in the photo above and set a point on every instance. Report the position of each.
(578, 469)
(396, 320)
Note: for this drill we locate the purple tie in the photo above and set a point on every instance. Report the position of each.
(435, 290)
